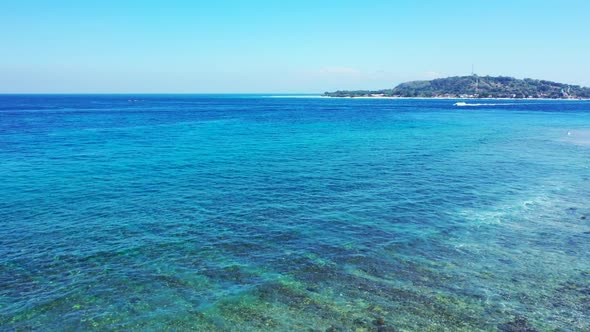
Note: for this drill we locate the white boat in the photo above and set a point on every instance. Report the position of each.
(461, 103)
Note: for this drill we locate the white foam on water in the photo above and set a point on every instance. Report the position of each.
(463, 104)
(578, 137)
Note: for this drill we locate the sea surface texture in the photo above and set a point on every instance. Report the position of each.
(253, 213)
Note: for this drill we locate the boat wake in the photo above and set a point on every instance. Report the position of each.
(464, 104)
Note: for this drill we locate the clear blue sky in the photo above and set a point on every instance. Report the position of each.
(284, 46)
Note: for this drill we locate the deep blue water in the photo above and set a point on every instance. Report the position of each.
(246, 213)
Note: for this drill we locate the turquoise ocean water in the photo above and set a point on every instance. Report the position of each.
(250, 213)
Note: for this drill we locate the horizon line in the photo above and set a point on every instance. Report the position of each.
(157, 93)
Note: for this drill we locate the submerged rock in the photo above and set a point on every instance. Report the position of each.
(385, 329)
(519, 324)
(379, 321)
(381, 326)
(360, 323)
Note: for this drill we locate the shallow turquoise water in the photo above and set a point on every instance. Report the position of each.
(246, 213)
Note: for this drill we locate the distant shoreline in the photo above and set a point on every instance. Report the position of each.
(456, 98)
(474, 87)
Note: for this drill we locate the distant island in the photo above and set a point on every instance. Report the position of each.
(474, 86)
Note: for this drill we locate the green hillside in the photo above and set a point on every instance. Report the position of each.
(475, 87)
